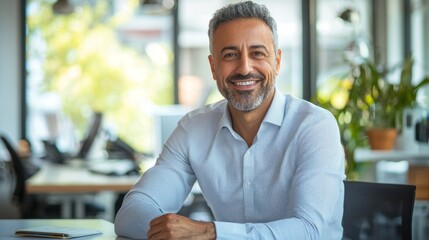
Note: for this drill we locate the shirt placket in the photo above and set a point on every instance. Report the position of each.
(248, 177)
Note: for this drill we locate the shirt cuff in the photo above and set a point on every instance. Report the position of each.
(230, 231)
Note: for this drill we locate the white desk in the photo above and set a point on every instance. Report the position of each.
(56, 178)
(8, 227)
(71, 183)
(415, 157)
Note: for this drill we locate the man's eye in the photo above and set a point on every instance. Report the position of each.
(230, 55)
(258, 54)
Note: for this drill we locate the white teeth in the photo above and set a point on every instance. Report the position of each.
(245, 83)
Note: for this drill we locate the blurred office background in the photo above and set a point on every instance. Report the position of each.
(64, 60)
(141, 61)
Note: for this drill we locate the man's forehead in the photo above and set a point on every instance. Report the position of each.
(249, 33)
(254, 22)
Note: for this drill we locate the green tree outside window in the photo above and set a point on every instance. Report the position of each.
(91, 70)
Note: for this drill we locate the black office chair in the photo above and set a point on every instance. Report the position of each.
(378, 210)
(37, 206)
(19, 196)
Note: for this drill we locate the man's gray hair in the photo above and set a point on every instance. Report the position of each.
(242, 10)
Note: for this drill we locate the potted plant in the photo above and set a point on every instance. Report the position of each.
(364, 99)
(379, 103)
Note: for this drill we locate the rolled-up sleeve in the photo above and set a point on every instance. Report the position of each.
(162, 189)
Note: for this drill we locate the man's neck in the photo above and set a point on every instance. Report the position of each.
(247, 124)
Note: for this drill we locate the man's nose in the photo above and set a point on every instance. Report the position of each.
(245, 65)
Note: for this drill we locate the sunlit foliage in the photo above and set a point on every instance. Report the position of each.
(85, 63)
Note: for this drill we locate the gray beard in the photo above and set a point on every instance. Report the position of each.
(246, 102)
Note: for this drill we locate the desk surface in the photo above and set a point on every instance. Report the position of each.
(413, 157)
(56, 178)
(8, 227)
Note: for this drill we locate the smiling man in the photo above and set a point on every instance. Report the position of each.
(269, 165)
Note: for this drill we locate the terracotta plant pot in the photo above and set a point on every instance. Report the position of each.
(382, 139)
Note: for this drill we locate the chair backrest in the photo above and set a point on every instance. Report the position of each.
(378, 210)
(20, 173)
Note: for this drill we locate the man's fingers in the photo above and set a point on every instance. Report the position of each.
(161, 225)
(173, 226)
(155, 221)
(161, 219)
(153, 231)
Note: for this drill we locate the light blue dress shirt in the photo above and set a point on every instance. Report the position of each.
(287, 185)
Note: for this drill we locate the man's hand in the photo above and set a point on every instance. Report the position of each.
(173, 226)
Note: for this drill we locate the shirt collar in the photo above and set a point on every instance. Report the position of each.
(276, 112)
(274, 115)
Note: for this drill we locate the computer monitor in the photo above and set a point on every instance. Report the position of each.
(165, 121)
(54, 154)
(92, 132)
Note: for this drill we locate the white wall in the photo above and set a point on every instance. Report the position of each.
(10, 68)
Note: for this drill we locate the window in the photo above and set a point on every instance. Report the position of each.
(419, 46)
(343, 34)
(114, 57)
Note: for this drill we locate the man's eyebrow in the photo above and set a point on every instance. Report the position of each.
(237, 49)
(259, 46)
(229, 48)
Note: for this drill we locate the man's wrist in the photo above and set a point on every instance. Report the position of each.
(209, 230)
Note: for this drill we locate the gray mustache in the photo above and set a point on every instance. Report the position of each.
(245, 77)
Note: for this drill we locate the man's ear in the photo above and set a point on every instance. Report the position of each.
(278, 60)
(211, 61)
